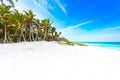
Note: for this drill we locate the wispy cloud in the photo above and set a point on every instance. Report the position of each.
(76, 26)
(116, 28)
(47, 4)
(51, 5)
(60, 5)
(43, 8)
(106, 34)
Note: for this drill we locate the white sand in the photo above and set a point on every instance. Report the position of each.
(51, 61)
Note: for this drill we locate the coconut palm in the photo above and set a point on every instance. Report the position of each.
(18, 22)
(46, 24)
(38, 28)
(29, 17)
(4, 15)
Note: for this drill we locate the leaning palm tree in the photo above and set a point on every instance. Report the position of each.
(10, 1)
(17, 20)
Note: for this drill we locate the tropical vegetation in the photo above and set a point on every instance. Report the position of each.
(17, 27)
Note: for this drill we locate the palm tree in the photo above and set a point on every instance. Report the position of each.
(4, 14)
(17, 20)
(38, 28)
(29, 17)
(46, 24)
(1, 30)
(10, 1)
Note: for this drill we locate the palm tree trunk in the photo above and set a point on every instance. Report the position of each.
(23, 35)
(36, 38)
(29, 36)
(9, 38)
(19, 39)
(33, 36)
(52, 35)
(30, 33)
(4, 35)
(45, 31)
(44, 36)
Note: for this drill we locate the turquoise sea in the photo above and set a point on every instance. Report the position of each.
(111, 45)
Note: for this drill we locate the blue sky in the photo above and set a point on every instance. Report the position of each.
(79, 20)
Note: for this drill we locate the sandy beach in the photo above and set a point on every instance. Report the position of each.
(51, 61)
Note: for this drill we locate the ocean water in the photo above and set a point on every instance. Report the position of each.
(111, 45)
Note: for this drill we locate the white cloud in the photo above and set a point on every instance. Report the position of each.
(61, 6)
(50, 5)
(75, 26)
